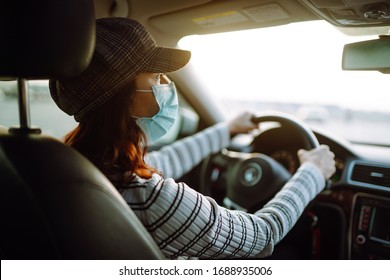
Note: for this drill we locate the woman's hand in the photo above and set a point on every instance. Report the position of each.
(322, 157)
(242, 124)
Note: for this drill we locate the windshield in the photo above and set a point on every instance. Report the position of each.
(296, 69)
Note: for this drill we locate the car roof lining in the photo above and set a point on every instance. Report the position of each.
(218, 16)
(171, 20)
(222, 16)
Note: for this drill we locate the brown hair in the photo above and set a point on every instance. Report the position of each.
(112, 140)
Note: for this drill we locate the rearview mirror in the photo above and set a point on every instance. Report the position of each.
(368, 55)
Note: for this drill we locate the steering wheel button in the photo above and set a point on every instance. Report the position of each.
(251, 174)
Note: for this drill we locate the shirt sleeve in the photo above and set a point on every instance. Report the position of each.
(183, 222)
(178, 158)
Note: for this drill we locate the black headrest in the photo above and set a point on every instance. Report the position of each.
(46, 38)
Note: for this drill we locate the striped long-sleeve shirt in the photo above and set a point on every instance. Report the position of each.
(183, 222)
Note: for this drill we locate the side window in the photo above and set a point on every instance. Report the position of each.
(44, 113)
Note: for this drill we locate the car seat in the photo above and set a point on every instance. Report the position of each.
(54, 203)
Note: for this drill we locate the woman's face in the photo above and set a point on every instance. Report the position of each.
(145, 104)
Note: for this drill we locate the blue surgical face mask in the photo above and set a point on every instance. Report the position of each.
(158, 125)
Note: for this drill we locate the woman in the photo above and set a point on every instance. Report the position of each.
(122, 100)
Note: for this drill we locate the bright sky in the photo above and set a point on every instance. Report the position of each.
(296, 62)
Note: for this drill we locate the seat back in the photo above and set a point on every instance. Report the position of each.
(55, 204)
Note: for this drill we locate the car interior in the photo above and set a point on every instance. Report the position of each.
(57, 205)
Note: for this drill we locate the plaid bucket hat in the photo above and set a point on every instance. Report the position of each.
(124, 49)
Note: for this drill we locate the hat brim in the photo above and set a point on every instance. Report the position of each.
(166, 60)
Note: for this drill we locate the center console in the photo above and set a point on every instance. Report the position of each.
(369, 236)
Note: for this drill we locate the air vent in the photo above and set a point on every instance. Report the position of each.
(370, 175)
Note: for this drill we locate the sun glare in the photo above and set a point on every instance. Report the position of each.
(299, 62)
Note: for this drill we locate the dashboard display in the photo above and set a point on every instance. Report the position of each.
(339, 170)
(380, 226)
(287, 159)
(291, 162)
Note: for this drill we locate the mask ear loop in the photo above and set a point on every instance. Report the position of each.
(151, 90)
(144, 90)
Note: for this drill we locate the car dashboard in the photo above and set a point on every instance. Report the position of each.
(350, 218)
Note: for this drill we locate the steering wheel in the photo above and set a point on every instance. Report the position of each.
(246, 181)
